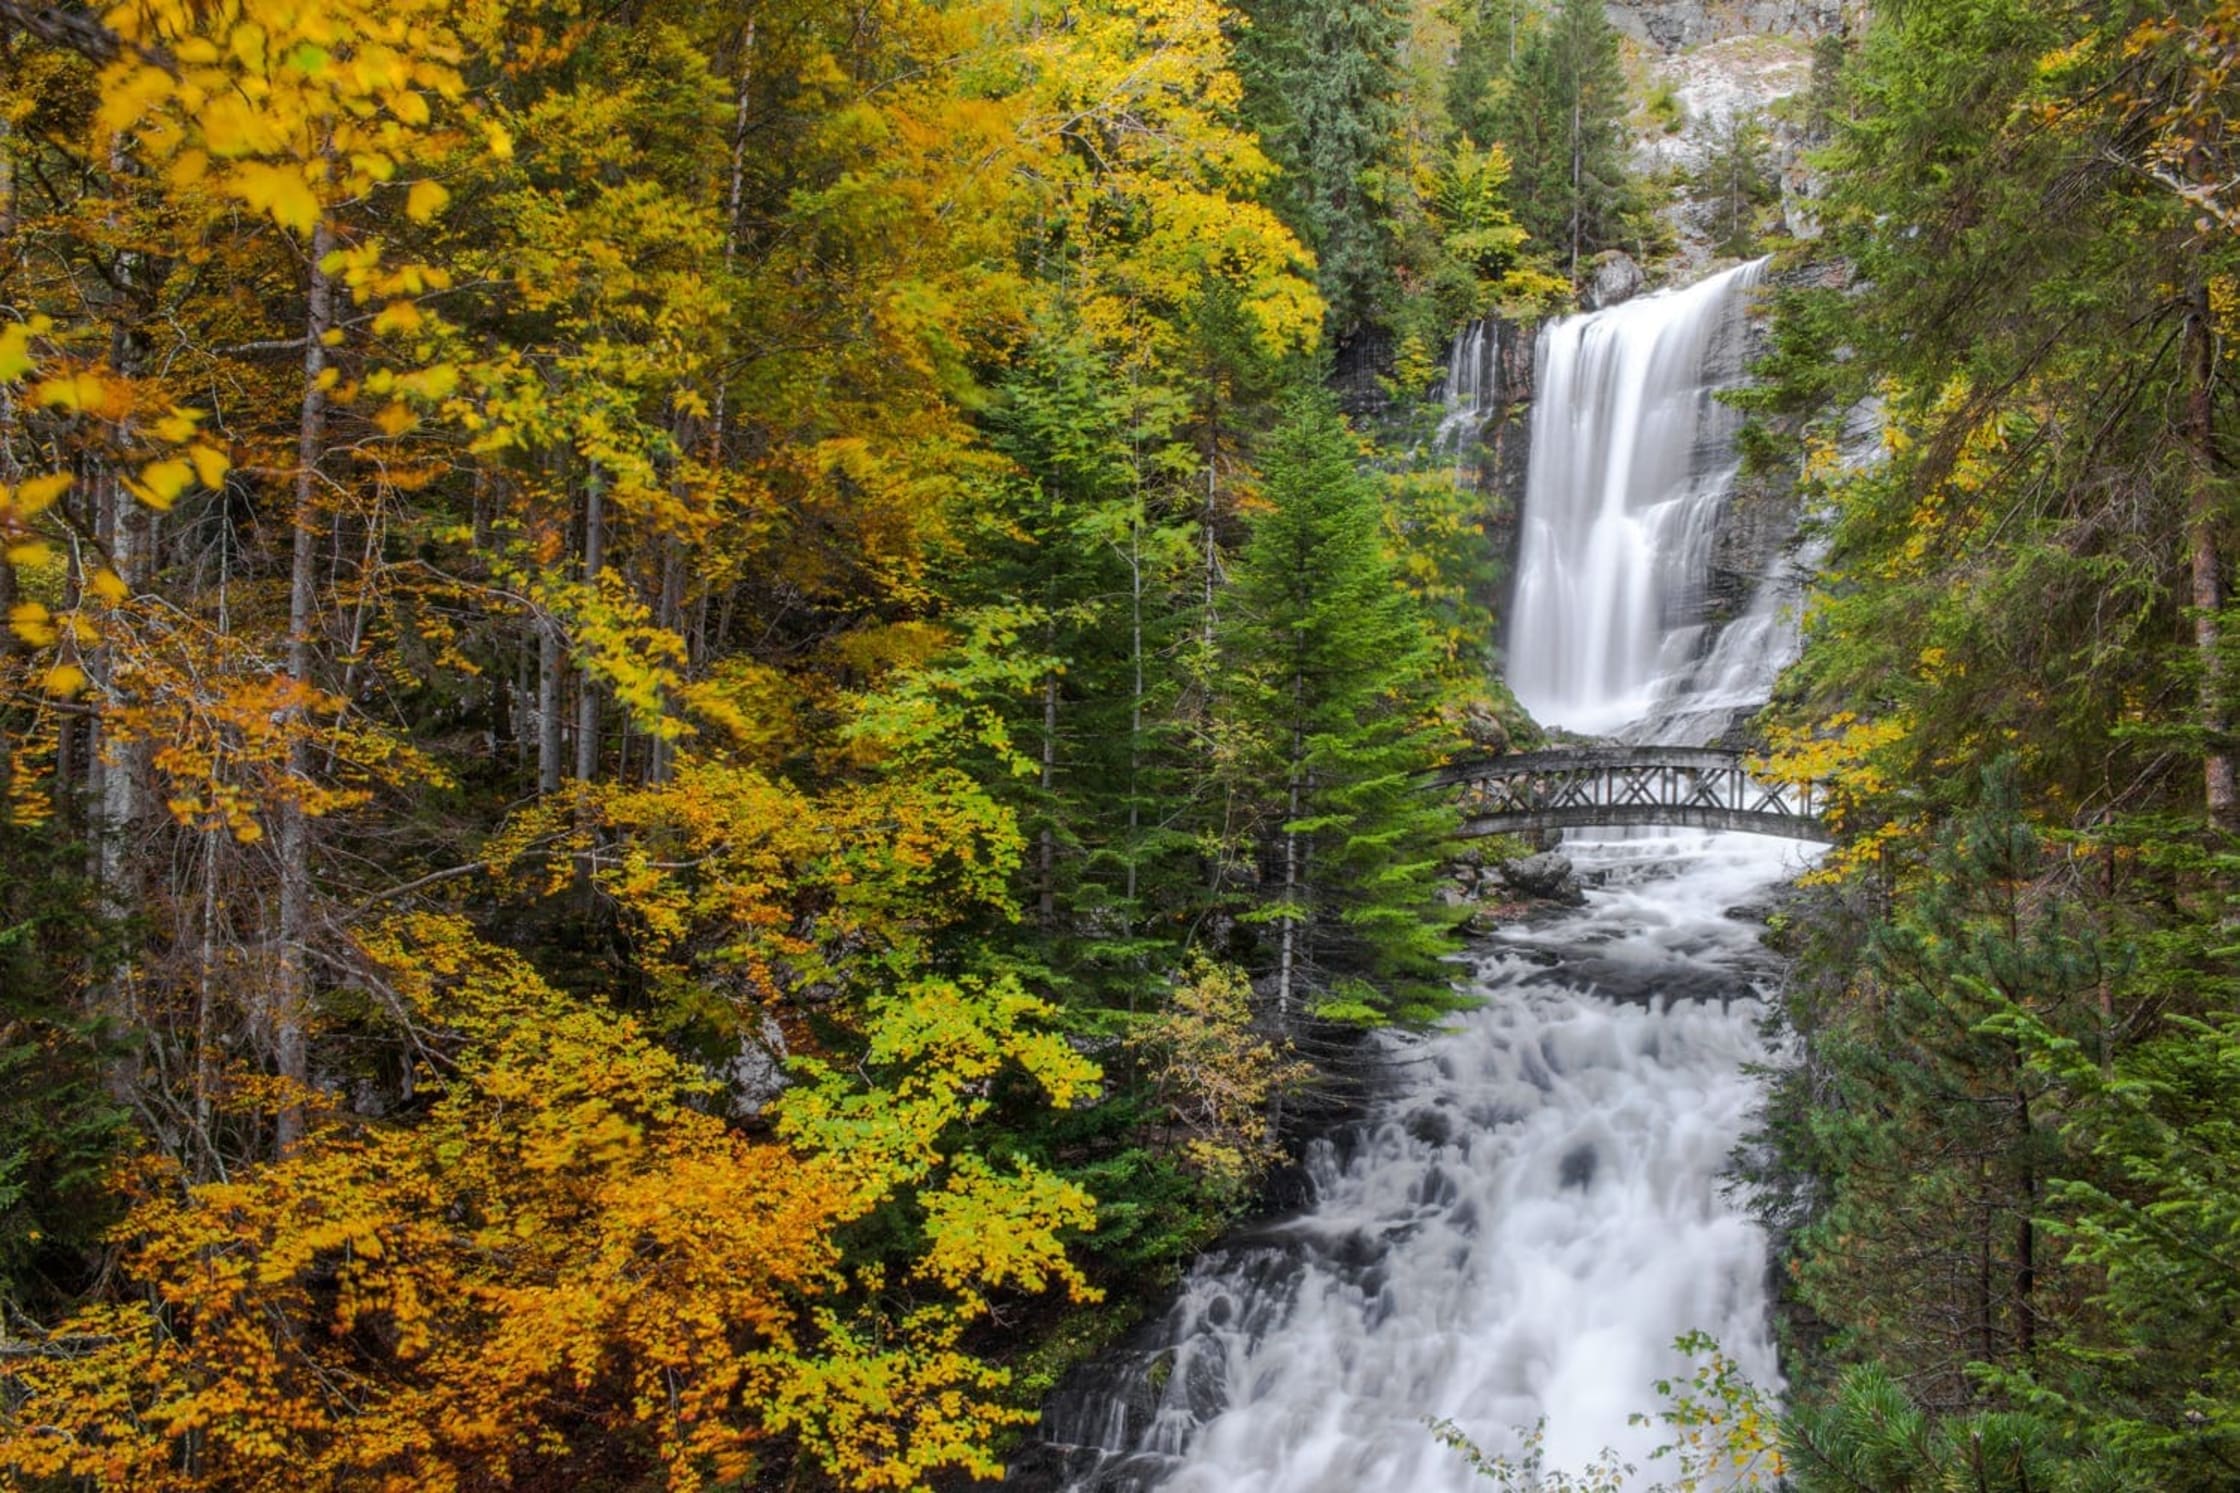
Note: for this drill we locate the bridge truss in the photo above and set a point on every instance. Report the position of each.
(1682, 787)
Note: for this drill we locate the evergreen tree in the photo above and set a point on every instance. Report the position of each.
(1325, 81)
(1941, 1133)
(2151, 1208)
(61, 1124)
(1332, 677)
(1562, 117)
(1870, 1434)
(1060, 554)
(1736, 179)
(1486, 47)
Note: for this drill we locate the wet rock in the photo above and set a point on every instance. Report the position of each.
(1432, 1127)
(758, 1072)
(1547, 877)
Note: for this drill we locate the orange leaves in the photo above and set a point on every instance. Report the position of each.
(563, 1253)
(450, 1317)
(85, 392)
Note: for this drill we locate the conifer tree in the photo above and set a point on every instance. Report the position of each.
(1064, 551)
(1562, 118)
(1326, 81)
(1943, 1133)
(1332, 677)
(1489, 34)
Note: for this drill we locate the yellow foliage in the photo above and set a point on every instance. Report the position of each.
(564, 1251)
(1216, 1074)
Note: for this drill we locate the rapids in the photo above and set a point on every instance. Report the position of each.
(1536, 1204)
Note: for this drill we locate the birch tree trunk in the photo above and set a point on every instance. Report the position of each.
(587, 688)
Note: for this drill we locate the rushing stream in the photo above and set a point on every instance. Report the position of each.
(1535, 1205)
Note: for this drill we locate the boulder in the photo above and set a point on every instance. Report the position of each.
(1617, 279)
(1546, 877)
(1486, 730)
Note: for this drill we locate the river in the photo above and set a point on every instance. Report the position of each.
(1536, 1203)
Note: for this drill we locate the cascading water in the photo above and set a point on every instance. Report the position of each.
(1633, 459)
(1534, 1209)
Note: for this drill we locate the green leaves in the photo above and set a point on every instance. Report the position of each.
(1332, 682)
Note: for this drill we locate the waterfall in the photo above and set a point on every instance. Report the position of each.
(1536, 1206)
(1473, 387)
(1633, 460)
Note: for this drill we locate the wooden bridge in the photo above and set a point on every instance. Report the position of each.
(1684, 787)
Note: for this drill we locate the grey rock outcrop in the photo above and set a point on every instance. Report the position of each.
(1673, 25)
(1617, 279)
(1546, 877)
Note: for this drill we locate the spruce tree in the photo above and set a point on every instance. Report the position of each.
(1063, 556)
(1332, 677)
(1941, 1133)
(1489, 34)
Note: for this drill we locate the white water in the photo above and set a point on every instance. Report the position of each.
(1537, 1207)
(1473, 382)
(1632, 460)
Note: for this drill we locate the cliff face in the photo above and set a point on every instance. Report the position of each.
(1674, 25)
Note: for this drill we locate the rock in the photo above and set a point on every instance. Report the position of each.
(1547, 876)
(758, 1073)
(1674, 25)
(1617, 279)
(1486, 731)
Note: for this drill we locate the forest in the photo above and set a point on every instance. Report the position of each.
(715, 714)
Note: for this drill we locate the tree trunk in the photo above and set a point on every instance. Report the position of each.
(1578, 174)
(291, 996)
(1047, 843)
(2026, 1234)
(1212, 555)
(1287, 956)
(2221, 794)
(668, 615)
(1135, 708)
(113, 765)
(548, 705)
(587, 688)
(734, 201)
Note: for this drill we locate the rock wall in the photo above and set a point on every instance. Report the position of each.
(1672, 25)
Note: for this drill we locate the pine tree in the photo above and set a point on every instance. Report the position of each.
(1736, 179)
(1490, 34)
(1332, 675)
(1942, 1134)
(1064, 551)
